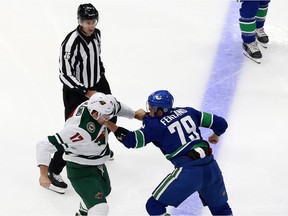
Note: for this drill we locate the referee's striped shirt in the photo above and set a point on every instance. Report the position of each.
(79, 61)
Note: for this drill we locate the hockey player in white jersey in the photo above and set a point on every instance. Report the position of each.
(84, 139)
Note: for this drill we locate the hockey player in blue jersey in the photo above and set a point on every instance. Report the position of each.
(252, 18)
(175, 131)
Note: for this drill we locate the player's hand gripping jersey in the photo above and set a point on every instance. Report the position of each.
(176, 132)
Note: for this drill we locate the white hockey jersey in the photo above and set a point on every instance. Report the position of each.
(83, 139)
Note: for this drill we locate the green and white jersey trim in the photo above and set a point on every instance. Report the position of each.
(140, 139)
(166, 182)
(206, 120)
(175, 153)
(57, 141)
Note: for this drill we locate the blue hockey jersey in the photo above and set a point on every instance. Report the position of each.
(176, 132)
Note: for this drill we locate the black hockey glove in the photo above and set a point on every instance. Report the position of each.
(121, 133)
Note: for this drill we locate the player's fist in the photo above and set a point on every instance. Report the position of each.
(213, 139)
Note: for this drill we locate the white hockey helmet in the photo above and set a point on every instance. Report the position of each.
(101, 103)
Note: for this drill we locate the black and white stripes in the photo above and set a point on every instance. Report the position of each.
(79, 60)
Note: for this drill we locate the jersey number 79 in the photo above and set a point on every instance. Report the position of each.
(185, 126)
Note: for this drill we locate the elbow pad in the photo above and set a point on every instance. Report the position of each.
(121, 133)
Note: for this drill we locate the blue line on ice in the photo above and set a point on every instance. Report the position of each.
(221, 87)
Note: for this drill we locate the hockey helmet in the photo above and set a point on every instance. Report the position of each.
(103, 104)
(87, 12)
(161, 99)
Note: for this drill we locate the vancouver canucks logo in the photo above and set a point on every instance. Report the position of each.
(158, 97)
(91, 127)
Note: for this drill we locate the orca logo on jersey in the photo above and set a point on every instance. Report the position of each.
(67, 55)
(91, 127)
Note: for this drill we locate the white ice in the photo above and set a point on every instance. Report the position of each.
(146, 45)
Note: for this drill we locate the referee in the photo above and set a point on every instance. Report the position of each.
(81, 72)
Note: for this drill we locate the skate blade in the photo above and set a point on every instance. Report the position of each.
(56, 189)
(258, 61)
(264, 45)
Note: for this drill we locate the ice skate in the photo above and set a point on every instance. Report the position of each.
(57, 183)
(262, 37)
(56, 189)
(252, 51)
